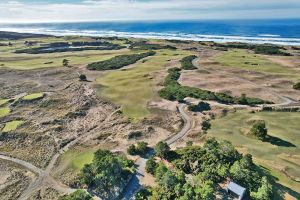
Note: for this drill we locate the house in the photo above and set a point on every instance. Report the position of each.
(236, 190)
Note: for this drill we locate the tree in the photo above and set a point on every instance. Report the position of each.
(205, 125)
(202, 106)
(264, 192)
(162, 149)
(77, 195)
(296, 86)
(259, 130)
(82, 77)
(131, 150)
(151, 166)
(143, 194)
(142, 147)
(65, 63)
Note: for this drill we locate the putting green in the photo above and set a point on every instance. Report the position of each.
(11, 126)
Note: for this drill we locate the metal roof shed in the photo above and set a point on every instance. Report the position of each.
(236, 189)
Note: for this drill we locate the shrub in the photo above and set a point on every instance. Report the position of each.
(205, 125)
(142, 147)
(202, 106)
(82, 77)
(131, 150)
(296, 86)
(162, 149)
(259, 130)
(77, 195)
(118, 62)
(187, 62)
(151, 166)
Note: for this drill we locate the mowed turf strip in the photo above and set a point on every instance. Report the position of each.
(134, 87)
(282, 152)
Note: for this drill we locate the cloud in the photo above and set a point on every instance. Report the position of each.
(106, 10)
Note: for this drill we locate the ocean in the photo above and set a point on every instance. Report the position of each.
(281, 32)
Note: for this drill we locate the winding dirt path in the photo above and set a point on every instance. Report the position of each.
(135, 182)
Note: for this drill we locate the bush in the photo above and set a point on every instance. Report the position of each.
(205, 125)
(131, 150)
(118, 62)
(202, 106)
(143, 194)
(162, 149)
(82, 77)
(151, 166)
(296, 86)
(77, 195)
(187, 62)
(259, 130)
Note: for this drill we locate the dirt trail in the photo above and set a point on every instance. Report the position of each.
(134, 184)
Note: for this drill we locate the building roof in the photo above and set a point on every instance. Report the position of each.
(237, 189)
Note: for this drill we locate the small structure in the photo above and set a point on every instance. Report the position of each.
(236, 190)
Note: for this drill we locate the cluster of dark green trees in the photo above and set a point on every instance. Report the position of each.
(77, 195)
(143, 45)
(209, 165)
(187, 62)
(108, 174)
(296, 86)
(66, 47)
(140, 148)
(200, 107)
(118, 62)
(174, 91)
(266, 49)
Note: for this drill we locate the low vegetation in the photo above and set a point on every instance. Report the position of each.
(118, 62)
(200, 107)
(108, 174)
(296, 86)
(77, 195)
(35, 96)
(259, 130)
(266, 49)
(140, 148)
(187, 62)
(12, 125)
(209, 165)
(174, 91)
(146, 46)
(4, 111)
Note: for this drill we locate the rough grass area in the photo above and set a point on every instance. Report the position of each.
(247, 60)
(280, 153)
(34, 96)
(4, 111)
(11, 126)
(134, 87)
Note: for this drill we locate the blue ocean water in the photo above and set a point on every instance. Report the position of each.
(285, 32)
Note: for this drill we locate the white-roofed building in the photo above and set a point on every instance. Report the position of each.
(236, 190)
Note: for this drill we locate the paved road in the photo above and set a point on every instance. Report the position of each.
(135, 183)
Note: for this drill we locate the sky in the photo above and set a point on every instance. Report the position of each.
(22, 11)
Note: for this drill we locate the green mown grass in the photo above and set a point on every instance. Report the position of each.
(77, 159)
(133, 88)
(4, 111)
(12, 125)
(283, 126)
(246, 60)
(3, 101)
(33, 96)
